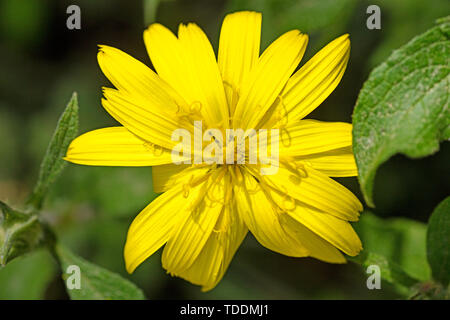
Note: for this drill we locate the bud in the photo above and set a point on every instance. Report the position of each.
(20, 233)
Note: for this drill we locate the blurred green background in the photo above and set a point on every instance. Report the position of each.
(42, 63)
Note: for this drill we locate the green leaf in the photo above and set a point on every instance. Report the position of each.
(97, 283)
(438, 242)
(53, 162)
(399, 240)
(28, 277)
(20, 233)
(397, 246)
(403, 106)
(390, 271)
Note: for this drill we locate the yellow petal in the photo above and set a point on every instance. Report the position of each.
(335, 163)
(167, 58)
(317, 190)
(306, 137)
(317, 247)
(153, 227)
(276, 230)
(238, 50)
(164, 176)
(115, 146)
(313, 82)
(215, 257)
(141, 118)
(188, 64)
(336, 231)
(194, 230)
(260, 217)
(137, 80)
(267, 78)
(170, 175)
(203, 66)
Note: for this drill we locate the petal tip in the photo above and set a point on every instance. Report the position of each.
(130, 264)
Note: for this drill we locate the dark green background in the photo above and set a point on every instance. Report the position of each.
(42, 62)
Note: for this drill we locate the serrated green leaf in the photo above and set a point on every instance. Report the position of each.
(53, 163)
(20, 233)
(97, 283)
(399, 240)
(438, 242)
(403, 106)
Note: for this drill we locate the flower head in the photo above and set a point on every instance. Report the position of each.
(207, 208)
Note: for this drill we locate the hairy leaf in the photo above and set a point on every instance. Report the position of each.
(96, 283)
(53, 163)
(403, 106)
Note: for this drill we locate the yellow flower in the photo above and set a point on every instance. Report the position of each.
(205, 211)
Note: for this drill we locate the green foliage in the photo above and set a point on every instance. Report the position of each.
(403, 106)
(27, 277)
(390, 271)
(398, 240)
(53, 162)
(397, 246)
(438, 242)
(400, 247)
(20, 233)
(97, 283)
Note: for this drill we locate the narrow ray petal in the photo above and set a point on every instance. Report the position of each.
(260, 217)
(153, 227)
(201, 61)
(115, 146)
(215, 257)
(165, 176)
(137, 80)
(194, 230)
(317, 190)
(274, 229)
(317, 246)
(334, 230)
(312, 83)
(307, 137)
(335, 163)
(140, 118)
(188, 64)
(267, 78)
(238, 51)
